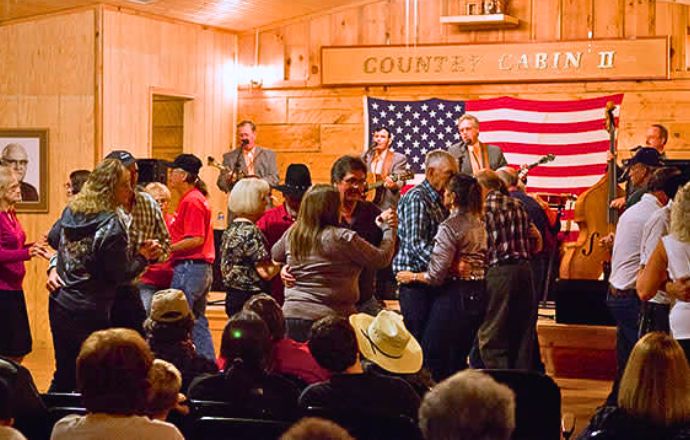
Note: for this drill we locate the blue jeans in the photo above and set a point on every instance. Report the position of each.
(194, 279)
(146, 292)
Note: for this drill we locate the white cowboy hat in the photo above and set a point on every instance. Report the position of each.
(385, 341)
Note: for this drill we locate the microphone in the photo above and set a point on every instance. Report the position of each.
(371, 148)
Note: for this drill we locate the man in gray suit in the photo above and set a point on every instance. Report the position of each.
(472, 154)
(386, 165)
(248, 159)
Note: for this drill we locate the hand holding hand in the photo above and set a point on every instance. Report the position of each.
(151, 250)
(607, 240)
(405, 277)
(679, 289)
(390, 217)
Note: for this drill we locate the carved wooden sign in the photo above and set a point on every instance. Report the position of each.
(645, 58)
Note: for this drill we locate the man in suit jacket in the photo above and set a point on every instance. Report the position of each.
(385, 163)
(248, 159)
(473, 154)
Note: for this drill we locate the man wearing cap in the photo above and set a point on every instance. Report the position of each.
(656, 138)
(192, 250)
(622, 299)
(276, 221)
(248, 159)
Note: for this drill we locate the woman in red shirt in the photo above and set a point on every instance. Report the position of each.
(15, 334)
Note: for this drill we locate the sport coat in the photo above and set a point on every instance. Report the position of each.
(496, 158)
(265, 166)
(399, 165)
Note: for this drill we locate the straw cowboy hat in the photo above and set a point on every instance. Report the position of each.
(385, 341)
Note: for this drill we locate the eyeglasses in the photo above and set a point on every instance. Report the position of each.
(355, 182)
(12, 162)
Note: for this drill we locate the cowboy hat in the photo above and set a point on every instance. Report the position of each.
(297, 180)
(385, 341)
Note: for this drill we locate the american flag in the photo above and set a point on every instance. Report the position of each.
(526, 130)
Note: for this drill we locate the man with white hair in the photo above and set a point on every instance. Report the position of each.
(14, 156)
(472, 154)
(420, 212)
(468, 406)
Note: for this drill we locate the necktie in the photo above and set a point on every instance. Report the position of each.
(250, 163)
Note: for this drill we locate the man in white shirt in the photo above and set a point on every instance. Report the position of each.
(622, 299)
(655, 309)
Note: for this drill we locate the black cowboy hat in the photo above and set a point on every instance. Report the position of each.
(297, 180)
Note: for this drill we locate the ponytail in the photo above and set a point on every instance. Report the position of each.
(199, 184)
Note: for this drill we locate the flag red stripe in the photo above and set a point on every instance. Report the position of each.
(569, 237)
(569, 171)
(542, 106)
(559, 150)
(568, 190)
(534, 127)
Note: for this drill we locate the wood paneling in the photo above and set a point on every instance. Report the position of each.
(48, 82)
(331, 119)
(143, 56)
(233, 15)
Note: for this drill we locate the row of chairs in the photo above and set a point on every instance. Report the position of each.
(538, 415)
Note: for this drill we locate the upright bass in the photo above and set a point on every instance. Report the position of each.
(586, 258)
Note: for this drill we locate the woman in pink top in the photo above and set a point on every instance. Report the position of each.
(15, 335)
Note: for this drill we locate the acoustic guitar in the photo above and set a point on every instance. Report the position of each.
(376, 195)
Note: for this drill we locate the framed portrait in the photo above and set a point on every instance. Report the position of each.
(25, 151)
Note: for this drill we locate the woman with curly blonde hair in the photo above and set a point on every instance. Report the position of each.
(670, 261)
(93, 260)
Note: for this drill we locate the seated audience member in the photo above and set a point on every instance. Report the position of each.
(165, 381)
(388, 348)
(288, 358)
(334, 346)
(314, 428)
(245, 383)
(326, 261)
(112, 376)
(654, 395)
(245, 258)
(157, 275)
(469, 405)
(7, 432)
(169, 334)
(30, 414)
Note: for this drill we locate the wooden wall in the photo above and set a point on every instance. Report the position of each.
(48, 81)
(305, 122)
(143, 56)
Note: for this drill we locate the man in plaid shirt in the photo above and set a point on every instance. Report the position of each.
(420, 211)
(506, 337)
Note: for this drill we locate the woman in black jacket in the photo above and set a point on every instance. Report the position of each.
(654, 395)
(92, 261)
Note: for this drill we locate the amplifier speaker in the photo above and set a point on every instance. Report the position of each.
(582, 302)
(152, 170)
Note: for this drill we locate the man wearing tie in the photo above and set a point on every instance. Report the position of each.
(248, 159)
(472, 154)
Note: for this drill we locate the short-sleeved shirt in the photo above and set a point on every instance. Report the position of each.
(243, 246)
(193, 219)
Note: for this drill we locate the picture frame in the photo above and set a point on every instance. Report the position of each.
(26, 152)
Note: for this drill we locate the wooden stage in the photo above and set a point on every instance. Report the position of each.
(580, 358)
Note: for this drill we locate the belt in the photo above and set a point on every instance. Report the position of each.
(191, 261)
(510, 261)
(622, 293)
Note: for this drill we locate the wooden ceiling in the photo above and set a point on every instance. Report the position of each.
(235, 15)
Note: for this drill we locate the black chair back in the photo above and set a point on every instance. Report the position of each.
(212, 428)
(537, 403)
(368, 425)
(62, 399)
